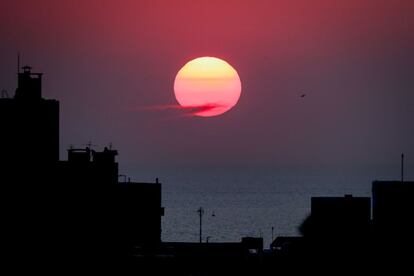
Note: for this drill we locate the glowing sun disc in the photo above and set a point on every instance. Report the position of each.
(208, 86)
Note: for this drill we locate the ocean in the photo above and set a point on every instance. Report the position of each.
(250, 202)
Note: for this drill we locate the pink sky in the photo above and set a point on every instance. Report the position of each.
(102, 59)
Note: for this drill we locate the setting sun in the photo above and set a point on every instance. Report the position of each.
(208, 85)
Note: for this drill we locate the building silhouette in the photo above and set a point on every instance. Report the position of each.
(393, 213)
(66, 213)
(340, 216)
(30, 123)
(392, 207)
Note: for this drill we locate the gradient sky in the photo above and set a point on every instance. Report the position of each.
(108, 61)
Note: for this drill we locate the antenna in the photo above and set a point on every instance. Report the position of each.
(402, 167)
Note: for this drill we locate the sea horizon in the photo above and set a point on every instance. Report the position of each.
(249, 202)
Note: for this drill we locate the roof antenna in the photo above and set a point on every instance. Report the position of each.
(402, 167)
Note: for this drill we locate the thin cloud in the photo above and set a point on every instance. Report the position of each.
(187, 110)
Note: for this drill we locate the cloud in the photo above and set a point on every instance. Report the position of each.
(187, 110)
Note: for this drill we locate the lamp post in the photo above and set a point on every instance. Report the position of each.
(200, 212)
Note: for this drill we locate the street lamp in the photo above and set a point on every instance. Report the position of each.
(200, 212)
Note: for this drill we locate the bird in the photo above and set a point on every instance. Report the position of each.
(303, 95)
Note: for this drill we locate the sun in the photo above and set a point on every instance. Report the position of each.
(208, 86)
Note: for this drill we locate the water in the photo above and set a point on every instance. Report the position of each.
(248, 202)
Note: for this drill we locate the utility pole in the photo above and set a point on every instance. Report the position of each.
(200, 212)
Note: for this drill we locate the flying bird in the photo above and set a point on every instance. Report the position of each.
(303, 95)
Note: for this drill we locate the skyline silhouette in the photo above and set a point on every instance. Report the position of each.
(76, 213)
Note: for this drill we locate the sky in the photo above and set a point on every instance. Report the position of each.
(107, 62)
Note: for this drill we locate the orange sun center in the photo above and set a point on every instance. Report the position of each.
(207, 85)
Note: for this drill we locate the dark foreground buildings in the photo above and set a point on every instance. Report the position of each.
(30, 123)
(393, 210)
(393, 217)
(65, 214)
(340, 233)
(347, 216)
